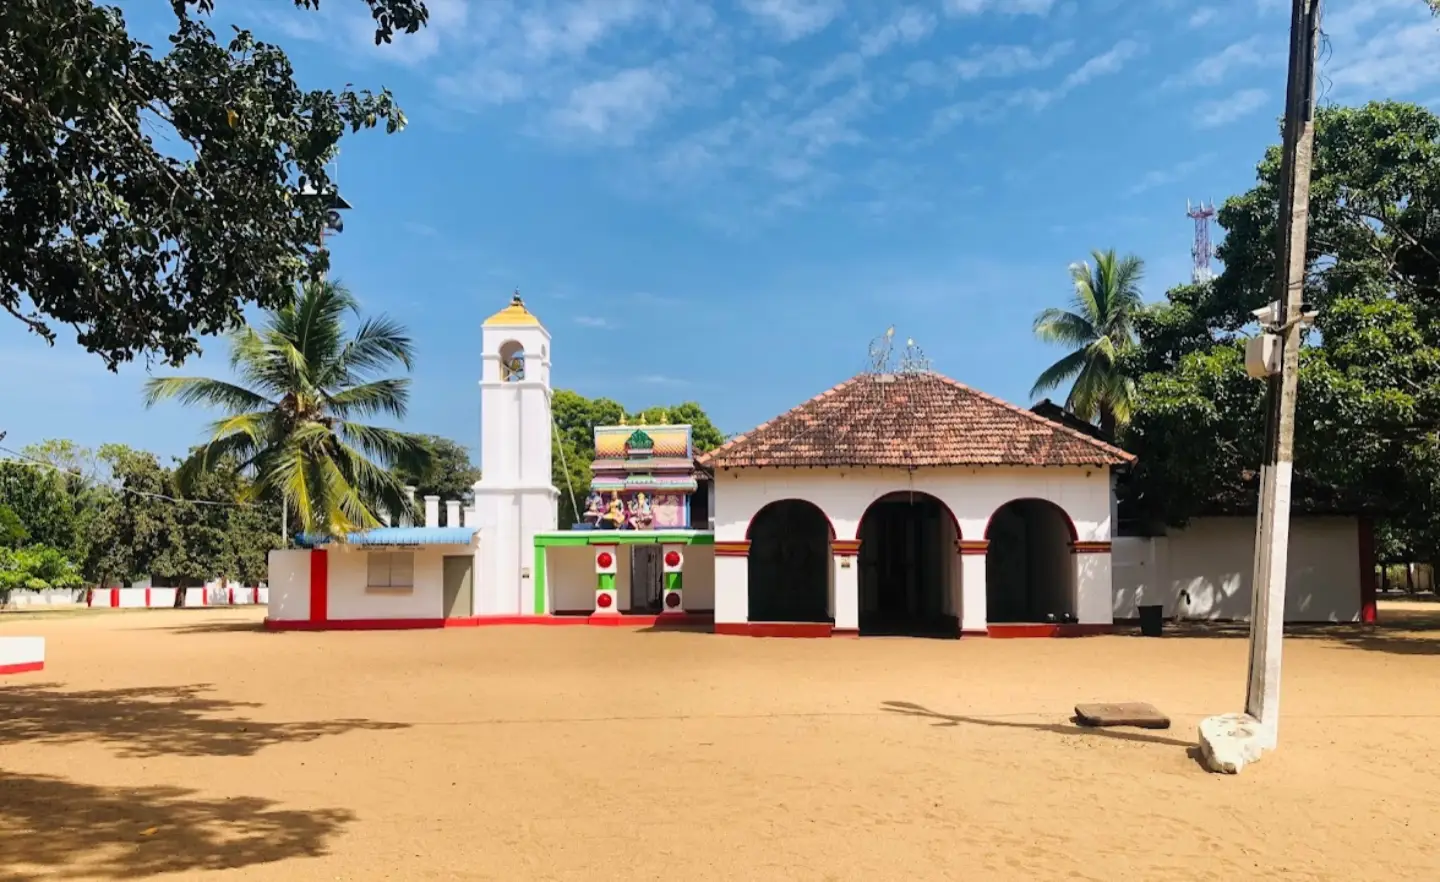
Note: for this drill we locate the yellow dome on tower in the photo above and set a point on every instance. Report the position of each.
(514, 314)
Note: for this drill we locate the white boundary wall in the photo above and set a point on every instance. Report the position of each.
(1204, 571)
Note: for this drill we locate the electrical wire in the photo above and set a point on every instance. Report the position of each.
(22, 459)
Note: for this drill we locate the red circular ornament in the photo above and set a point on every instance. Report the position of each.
(604, 600)
(672, 600)
(672, 558)
(604, 560)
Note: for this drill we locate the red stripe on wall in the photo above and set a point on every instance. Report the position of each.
(114, 597)
(147, 598)
(1369, 614)
(319, 585)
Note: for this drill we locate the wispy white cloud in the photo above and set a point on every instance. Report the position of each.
(1213, 114)
(1174, 174)
(990, 62)
(1008, 7)
(1202, 17)
(995, 105)
(910, 25)
(1253, 52)
(593, 321)
(793, 19)
(616, 108)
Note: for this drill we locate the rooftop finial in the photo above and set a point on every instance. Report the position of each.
(515, 300)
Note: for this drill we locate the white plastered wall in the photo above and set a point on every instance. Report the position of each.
(972, 495)
(289, 582)
(1205, 571)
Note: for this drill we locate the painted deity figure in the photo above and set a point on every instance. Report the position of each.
(594, 508)
(614, 517)
(642, 517)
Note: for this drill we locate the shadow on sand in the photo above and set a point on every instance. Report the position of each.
(1399, 631)
(910, 709)
(55, 827)
(153, 721)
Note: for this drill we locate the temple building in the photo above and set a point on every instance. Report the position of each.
(898, 502)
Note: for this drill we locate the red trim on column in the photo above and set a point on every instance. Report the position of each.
(319, 585)
(114, 597)
(972, 546)
(230, 596)
(775, 629)
(22, 667)
(1041, 629)
(845, 547)
(1369, 611)
(1101, 546)
(735, 548)
(147, 597)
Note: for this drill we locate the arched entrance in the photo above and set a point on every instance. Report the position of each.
(1029, 568)
(908, 565)
(789, 563)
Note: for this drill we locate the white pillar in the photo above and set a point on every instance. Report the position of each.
(973, 616)
(1094, 587)
(407, 520)
(432, 511)
(452, 513)
(732, 583)
(846, 563)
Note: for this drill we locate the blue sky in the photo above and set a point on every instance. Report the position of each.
(724, 202)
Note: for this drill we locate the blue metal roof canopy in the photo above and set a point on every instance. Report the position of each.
(397, 536)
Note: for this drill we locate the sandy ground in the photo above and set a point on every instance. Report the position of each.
(188, 745)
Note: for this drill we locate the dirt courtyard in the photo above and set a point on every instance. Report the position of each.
(189, 745)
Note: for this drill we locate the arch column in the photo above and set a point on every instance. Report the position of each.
(845, 601)
(973, 615)
(1094, 587)
(732, 582)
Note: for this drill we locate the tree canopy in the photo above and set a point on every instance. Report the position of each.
(446, 471)
(147, 198)
(303, 379)
(1369, 403)
(1098, 329)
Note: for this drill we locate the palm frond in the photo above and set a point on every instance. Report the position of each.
(1063, 328)
(1058, 373)
(379, 396)
(379, 343)
(192, 391)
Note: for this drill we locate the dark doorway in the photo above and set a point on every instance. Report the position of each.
(907, 557)
(645, 577)
(1029, 570)
(789, 563)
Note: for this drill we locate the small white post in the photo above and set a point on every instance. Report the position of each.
(452, 513)
(432, 511)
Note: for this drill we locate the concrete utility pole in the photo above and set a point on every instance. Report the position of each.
(1230, 741)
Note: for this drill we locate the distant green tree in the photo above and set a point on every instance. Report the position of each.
(12, 530)
(448, 472)
(35, 568)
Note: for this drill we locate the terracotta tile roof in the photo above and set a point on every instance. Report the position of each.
(916, 419)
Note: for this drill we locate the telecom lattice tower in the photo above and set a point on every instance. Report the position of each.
(1201, 251)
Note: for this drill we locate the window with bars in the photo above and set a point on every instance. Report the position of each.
(391, 569)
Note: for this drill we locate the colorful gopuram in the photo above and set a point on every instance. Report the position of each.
(644, 477)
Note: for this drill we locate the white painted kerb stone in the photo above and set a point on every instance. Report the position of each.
(1229, 742)
(18, 654)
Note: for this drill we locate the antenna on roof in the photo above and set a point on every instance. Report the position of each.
(882, 351)
(913, 359)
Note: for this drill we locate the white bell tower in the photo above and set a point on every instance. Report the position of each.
(514, 498)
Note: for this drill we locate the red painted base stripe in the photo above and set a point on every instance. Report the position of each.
(483, 621)
(114, 597)
(775, 629)
(1022, 630)
(22, 667)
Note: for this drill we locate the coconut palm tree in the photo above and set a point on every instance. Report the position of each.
(1099, 326)
(300, 381)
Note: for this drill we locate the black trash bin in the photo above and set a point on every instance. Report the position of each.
(1152, 621)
